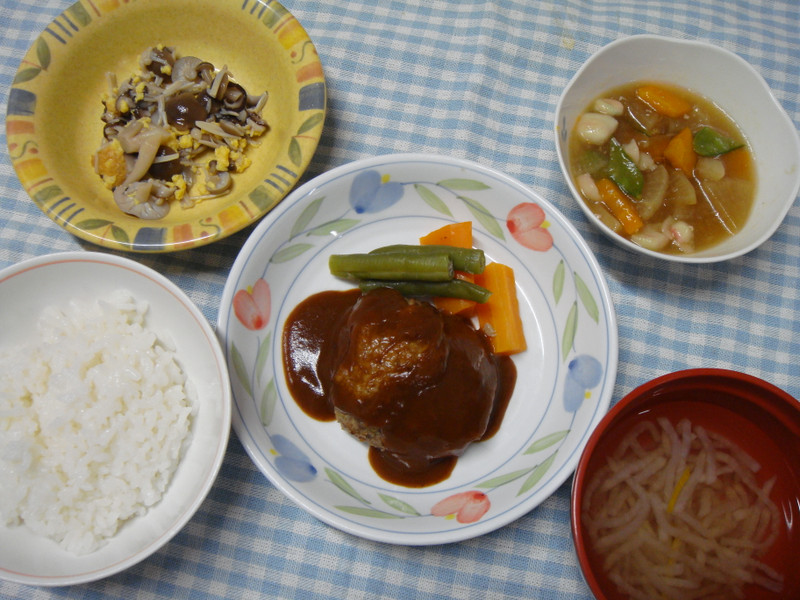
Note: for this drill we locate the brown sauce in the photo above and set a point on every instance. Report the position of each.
(417, 385)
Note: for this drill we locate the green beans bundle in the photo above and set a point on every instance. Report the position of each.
(417, 271)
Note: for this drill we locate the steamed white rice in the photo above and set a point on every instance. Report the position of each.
(94, 416)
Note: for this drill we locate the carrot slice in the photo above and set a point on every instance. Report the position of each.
(458, 235)
(663, 101)
(620, 206)
(655, 146)
(499, 316)
(680, 152)
(453, 234)
(738, 164)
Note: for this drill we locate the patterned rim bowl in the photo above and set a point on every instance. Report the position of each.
(53, 121)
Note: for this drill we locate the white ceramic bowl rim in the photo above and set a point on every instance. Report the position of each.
(740, 90)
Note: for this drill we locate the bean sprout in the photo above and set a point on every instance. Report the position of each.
(677, 512)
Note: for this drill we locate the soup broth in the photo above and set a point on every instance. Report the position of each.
(663, 167)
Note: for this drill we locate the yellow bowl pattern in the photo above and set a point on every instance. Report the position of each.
(53, 124)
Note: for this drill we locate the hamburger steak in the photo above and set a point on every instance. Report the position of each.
(416, 384)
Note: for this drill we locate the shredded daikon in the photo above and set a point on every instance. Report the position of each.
(677, 512)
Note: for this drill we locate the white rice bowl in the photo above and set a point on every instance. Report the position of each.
(173, 385)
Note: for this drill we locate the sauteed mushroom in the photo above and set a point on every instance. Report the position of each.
(162, 122)
(219, 183)
(143, 199)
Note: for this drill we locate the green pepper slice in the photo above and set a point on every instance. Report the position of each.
(709, 142)
(623, 171)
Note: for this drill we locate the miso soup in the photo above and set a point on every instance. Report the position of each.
(663, 167)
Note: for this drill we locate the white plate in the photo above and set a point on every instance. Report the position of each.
(566, 309)
(30, 286)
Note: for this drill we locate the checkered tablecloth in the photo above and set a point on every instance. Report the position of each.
(475, 79)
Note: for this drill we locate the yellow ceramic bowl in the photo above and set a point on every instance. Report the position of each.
(53, 123)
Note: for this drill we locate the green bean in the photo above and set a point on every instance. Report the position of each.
(456, 288)
(468, 260)
(435, 267)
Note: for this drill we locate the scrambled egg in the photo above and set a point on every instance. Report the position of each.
(180, 186)
(109, 163)
(186, 141)
(140, 87)
(222, 154)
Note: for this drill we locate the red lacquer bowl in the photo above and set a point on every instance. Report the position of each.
(761, 418)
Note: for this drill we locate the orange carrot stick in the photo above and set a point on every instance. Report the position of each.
(663, 101)
(499, 316)
(655, 146)
(458, 235)
(738, 164)
(620, 206)
(453, 234)
(680, 152)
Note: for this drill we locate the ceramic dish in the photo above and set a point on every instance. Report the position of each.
(25, 290)
(569, 324)
(760, 418)
(728, 81)
(53, 122)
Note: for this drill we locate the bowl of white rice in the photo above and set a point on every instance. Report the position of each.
(115, 410)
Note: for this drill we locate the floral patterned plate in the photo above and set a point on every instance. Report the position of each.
(565, 378)
(53, 124)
